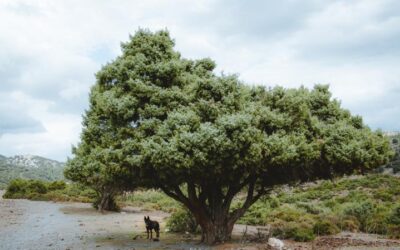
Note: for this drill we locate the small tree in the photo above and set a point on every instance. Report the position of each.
(97, 159)
(203, 138)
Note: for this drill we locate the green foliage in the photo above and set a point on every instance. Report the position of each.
(182, 221)
(394, 217)
(149, 200)
(303, 234)
(325, 227)
(36, 186)
(42, 190)
(364, 203)
(159, 120)
(362, 211)
(55, 185)
(350, 224)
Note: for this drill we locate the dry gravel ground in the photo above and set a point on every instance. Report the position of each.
(35, 225)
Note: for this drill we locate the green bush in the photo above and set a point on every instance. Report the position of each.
(182, 221)
(325, 227)
(394, 217)
(41, 190)
(36, 186)
(16, 188)
(57, 185)
(303, 234)
(299, 231)
(310, 207)
(383, 195)
(350, 224)
(362, 211)
(256, 215)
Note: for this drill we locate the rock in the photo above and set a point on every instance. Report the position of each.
(275, 244)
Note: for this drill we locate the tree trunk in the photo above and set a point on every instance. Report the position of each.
(215, 231)
(107, 202)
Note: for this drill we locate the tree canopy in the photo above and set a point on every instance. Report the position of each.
(159, 120)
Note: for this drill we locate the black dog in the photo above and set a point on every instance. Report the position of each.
(150, 225)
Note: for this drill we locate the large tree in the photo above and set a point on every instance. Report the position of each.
(202, 138)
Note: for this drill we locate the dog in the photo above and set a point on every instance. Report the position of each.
(150, 225)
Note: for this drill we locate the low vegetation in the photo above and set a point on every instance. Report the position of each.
(45, 191)
(366, 203)
(149, 200)
(358, 204)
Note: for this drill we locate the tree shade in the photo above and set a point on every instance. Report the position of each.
(159, 120)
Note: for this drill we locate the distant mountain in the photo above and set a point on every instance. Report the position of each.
(29, 167)
(32, 161)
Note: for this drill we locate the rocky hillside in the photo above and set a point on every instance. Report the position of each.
(29, 167)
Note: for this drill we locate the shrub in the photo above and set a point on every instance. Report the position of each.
(383, 195)
(362, 211)
(16, 188)
(376, 225)
(182, 221)
(394, 231)
(256, 215)
(41, 190)
(303, 234)
(274, 202)
(150, 199)
(349, 224)
(310, 207)
(57, 185)
(292, 230)
(36, 186)
(325, 227)
(394, 217)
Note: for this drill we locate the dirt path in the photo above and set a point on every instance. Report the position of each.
(28, 224)
(47, 225)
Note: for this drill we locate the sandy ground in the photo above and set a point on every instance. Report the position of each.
(35, 225)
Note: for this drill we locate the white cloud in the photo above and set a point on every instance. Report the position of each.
(50, 51)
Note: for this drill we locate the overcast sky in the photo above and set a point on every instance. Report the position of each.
(50, 51)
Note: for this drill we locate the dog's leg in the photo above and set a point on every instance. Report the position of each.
(147, 231)
(158, 233)
(151, 233)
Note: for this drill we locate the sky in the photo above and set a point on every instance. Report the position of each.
(50, 51)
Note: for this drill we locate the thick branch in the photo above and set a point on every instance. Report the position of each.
(234, 189)
(250, 200)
